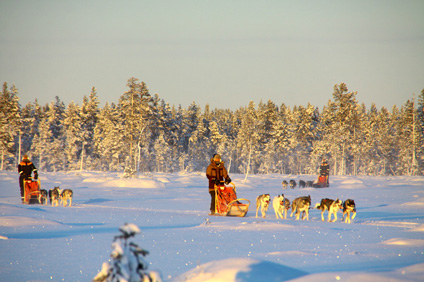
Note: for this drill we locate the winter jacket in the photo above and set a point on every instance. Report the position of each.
(26, 168)
(324, 169)
(215, 171)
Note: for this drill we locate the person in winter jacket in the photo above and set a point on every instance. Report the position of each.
(324, 170)
(216, 173)
(25, 169)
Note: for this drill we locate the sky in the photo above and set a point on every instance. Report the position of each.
(221, 53)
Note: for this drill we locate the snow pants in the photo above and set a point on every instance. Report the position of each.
(21, 185)
(212, 208)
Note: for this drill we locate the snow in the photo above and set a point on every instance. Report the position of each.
(385, 242)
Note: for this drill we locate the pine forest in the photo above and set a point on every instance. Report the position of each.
(142, 133)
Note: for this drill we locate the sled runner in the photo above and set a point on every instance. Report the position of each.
(32, 192)
(226, 202)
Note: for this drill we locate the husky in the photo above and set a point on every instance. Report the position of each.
(349, 207)
(309, 183)
(281, 205)
(262, 202)
(54, 196)
(42, 198)
(292, 184)
(331, 206)
(301, 204)
(302, 184)
(67, 195)
(285, 184)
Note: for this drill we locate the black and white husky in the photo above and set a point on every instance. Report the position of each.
(348, 208)
(54, 196)
(332, 206)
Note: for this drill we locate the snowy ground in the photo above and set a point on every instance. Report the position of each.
(385, 242)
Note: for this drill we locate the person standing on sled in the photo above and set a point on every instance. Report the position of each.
(216, 173)
(25, 169)
(324, 170)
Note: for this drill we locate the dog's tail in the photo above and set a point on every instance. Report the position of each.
(317, 206)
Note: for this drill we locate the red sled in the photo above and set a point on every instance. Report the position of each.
(227, 203)
(33, 193)
(321, 182)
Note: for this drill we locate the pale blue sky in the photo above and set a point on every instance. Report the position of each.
(224, 53)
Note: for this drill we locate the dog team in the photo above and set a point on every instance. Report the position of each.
(56, 195)
(302, 205)
(292, 184)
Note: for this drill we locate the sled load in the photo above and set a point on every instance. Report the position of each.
(226, 202)
(321, 182)
(32, 192)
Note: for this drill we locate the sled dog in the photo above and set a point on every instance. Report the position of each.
(281, 205)
(285, 184)
(302, 184)
(301, 204)
(348, 208)
(67, 195)
(292, 184)
(309, 183)
(42, 198)
(54, 196)
(331, 206)
(262, 202)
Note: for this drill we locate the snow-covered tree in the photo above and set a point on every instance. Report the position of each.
(267, 117)
(128, 264)
(134, 109)
(88, 113)
(420, 133)
(73, 136)
(108, 139)
(10, 125)
(407, 140)
(247, 139)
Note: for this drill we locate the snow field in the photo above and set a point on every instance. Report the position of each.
(44, 243)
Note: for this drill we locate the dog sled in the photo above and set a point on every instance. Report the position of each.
(32, 192)
(321, 182)
(227, 203)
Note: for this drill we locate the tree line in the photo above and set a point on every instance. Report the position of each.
(143, 133)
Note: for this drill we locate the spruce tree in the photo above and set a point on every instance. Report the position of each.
(128, 262)
(10, 125)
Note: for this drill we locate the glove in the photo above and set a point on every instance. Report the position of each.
(217, 181)
(227, 180)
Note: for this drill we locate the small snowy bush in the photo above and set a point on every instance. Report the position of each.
(129, 172)
(127, 260)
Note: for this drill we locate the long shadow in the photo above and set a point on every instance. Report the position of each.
(97, 201)
(60, 233)
(93, 229)
(389, 216)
